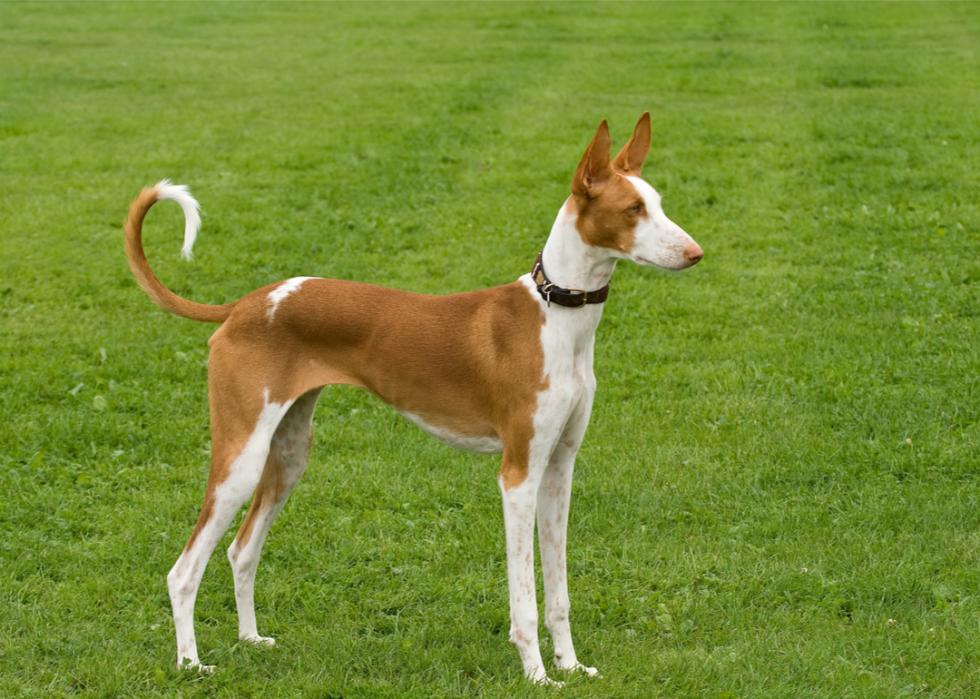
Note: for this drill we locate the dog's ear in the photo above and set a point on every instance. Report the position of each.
(593, 171)
(630, 158)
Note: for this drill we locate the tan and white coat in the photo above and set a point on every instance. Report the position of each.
(491, 370)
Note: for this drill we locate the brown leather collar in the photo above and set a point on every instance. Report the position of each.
(572, 298)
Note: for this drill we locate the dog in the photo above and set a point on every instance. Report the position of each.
(506, 369)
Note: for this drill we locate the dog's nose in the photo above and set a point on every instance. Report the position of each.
(693, 253)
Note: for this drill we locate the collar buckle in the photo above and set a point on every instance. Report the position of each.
(570, 298)
(545, 290)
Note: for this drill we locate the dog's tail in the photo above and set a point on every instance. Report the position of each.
(161, 295)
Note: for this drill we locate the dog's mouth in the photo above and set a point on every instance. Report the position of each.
(683, 263)
(643, 261)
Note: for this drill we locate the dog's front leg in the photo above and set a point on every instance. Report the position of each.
(519, 488)
(554, 496)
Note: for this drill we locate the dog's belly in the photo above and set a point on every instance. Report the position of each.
(485, 444)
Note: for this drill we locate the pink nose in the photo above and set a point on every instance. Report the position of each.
(693, 253)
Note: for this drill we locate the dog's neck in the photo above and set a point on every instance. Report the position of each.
(571, 263)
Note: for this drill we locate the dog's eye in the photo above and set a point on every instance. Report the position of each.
(636, 208)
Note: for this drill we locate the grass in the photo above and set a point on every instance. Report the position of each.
(778, 495)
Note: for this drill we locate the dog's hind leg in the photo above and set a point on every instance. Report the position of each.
(288, 456)
(239, 448)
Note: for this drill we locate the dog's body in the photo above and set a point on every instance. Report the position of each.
(501, 369)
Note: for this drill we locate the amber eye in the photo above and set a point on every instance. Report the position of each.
(636, 209)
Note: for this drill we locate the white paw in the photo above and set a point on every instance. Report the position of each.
(540, 678)
(259, 640)
(188, 664)
(545, 681)
(579, 667)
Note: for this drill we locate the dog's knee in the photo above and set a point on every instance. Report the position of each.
(180, 585)
(523, 629)
(242, 560)
(556, 617)
(233, 552)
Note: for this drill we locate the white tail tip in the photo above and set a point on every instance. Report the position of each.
(192, 217)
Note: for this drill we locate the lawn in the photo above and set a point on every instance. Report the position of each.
(778, 495)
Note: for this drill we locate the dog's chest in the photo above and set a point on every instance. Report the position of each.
(564, 343)
(568, 346)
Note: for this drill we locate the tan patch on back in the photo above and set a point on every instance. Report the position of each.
(471, 363)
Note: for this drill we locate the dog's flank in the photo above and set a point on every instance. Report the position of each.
(494, 369)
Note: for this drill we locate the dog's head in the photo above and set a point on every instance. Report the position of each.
(619, 212)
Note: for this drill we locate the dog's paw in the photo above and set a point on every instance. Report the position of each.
(578, 667)
(545, 681)
(195, 666)
(540, 678)
(259, 640)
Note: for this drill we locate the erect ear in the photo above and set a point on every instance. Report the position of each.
(631, 157)
(593, 171)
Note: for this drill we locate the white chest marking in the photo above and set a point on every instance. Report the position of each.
(278, 295)
(567, 342)
(484, 445)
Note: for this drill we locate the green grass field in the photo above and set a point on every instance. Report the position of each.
(778, 495)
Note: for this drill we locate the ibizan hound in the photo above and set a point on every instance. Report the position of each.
(507, 369)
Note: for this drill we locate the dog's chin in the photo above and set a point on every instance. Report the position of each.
(674, 266)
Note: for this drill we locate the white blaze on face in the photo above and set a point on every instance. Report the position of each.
(659, 241)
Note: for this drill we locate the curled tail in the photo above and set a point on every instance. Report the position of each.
(161, 295)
